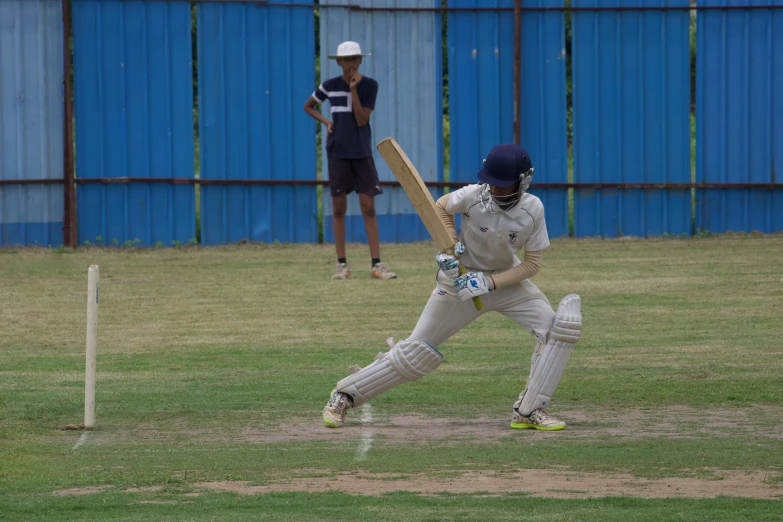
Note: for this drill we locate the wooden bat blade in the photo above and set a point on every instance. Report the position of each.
(411, 182)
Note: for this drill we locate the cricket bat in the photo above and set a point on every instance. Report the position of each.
(417, 192)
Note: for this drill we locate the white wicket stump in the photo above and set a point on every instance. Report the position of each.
(92, 339)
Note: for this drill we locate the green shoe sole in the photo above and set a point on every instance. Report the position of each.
(330, 423)
(527, 426)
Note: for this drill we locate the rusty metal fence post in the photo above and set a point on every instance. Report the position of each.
(70, 234)
(517, 70)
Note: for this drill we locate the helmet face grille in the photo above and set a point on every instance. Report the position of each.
(497, 204)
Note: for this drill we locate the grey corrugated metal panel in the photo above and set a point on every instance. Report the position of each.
(31, 121)
(739, 117)
(406, 62)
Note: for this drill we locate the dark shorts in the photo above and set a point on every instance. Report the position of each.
(347, 175)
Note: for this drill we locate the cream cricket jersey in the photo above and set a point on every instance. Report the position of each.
(492, 240)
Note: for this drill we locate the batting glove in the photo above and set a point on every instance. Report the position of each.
(448, 264)
(473, 284)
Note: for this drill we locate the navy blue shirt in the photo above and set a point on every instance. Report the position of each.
(348, 140)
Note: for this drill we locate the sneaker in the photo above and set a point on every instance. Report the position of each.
(337, 409)
(379, 271)
(538, 420)
(342, 272)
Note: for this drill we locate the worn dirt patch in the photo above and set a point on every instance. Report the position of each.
(100, 489)
(81, 491)
(669, 422)
(533, 482)
(677, 422)
(146, 489)
(164, 502)
(551, 483)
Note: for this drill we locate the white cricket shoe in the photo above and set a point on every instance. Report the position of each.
(337, 409)
(342, 272)
(537, 420)
(379, 271)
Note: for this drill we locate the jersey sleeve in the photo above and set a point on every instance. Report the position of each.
(320, 94)
(368, 95)
(539, 239)
(461, 200)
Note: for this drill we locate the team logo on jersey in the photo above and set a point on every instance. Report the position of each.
(512, 237)
(483, 229)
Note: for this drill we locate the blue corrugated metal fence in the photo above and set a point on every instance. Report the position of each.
(739, 117)
(255, 70)
(543, 130)
(631, 94)
(31, 121)
(134, 118)
(481, 94)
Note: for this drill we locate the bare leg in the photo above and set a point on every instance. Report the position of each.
(367, 203)
(339, 207)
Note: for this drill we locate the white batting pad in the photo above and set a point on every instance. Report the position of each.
(409, 360)
(548, 367)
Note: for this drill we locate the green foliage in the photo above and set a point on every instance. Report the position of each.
(445, 95)
(194, 54)
(61, 249)
(319, 160)
(693, 60)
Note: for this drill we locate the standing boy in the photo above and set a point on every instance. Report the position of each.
(349, 152)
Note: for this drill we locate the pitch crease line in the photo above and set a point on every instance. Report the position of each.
(82, 440)
(366, 441)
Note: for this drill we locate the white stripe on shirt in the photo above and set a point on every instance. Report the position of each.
(337, 94)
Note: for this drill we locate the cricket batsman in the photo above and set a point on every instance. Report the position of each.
(499, 218)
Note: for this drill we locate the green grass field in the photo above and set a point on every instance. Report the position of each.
(214, 365)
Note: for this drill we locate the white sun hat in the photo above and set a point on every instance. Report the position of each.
(346, 49)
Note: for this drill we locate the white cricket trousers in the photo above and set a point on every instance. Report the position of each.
(446, 315)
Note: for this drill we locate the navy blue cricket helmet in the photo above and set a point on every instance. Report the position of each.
(505, 165)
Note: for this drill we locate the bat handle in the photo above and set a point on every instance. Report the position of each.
(477, 302)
